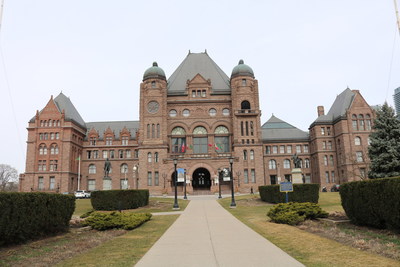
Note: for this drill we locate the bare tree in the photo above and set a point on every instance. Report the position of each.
(360, 163)
(8, 177)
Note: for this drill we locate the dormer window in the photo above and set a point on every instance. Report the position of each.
(203, 93)
(108, 141)
(93, 141)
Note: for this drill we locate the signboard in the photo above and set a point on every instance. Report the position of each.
(181, 175)
(286, 187)
(226, 175)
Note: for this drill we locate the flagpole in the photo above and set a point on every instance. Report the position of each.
(397, 14)
(79, 172)
(1, 13)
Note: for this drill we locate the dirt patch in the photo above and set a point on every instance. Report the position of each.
(251, 202)
(382, 242)
(52, 250)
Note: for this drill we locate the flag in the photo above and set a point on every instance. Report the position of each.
(183, 147)
(216, 147)
(78, 158)
(210, 145)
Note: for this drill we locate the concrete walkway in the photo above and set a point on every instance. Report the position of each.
(207, 235)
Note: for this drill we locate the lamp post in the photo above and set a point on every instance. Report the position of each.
(219, 182)
(184, 196)
(135, 170)
(176, 206)
(233, 204)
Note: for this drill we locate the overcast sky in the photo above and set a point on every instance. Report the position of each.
(303, 53)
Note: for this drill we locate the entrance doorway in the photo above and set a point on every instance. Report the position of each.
(201, 179)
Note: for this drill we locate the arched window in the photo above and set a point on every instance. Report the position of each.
(156, 157)
(158, 130)
(221, 139)
(42, 149)
(148, 130)
(331, 162)
(124, 168)
(200, 140)
(245, 105)
(153, 133)
(50, 124)
(178, 140)
(286, 164)
(307, 163)
(58, 123)
(242, 128)
(54, 149)
(149, 157)
(361, 122)
(251, 154)
(357, 141)
(251, 128)
(244, 154)
(272, 164)
(368, 120)
(326, 160)
(92, 169)
(354, 122)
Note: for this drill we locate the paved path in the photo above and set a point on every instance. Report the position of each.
(207, 235)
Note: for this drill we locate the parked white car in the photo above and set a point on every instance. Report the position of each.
(82, 194)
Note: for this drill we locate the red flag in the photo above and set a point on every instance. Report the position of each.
(183, 147)
(210, 145)
(216, 147)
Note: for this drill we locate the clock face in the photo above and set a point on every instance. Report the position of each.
(153, 107)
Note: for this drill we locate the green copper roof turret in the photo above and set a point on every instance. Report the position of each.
(154, 72)
(242, 70)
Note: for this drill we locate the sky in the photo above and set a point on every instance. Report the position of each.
(303, 53)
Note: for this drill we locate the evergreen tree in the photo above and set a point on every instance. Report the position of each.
(384, 150)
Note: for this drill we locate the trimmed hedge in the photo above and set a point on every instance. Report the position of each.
(373, 202)
(119, 199)
(126, 220)
(25, 216)
(301, 193)
(293, 213)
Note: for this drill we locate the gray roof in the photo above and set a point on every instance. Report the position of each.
(338, 108)
(63, 102)
(115, 126)
(277, 130)
(198, 63)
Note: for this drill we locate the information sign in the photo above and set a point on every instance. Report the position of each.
(286, 187)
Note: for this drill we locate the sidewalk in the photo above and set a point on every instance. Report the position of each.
(207, 235)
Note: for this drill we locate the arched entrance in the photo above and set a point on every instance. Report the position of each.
(201, 179)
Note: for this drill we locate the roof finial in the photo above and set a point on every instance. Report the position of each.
(241, 62)
(205, 51)
(189, 51)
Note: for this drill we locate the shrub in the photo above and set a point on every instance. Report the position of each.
(128, 221)
(87, 214)
(374, 202)
(27, 216)
(293, 213)
(301, 193)
(119, 199)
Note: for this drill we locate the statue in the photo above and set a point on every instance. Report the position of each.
(296, 161)
(107, 167)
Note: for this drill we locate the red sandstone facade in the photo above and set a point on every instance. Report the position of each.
(201, 117)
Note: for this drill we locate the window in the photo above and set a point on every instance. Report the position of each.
(327, 177)
(125, 140)
(247, 128)
(92, 169)
(322, 130)
(124, 184)
(53, 165)
(46, 136)
(328, 130)
(246, 176)
(225, 112)
(153, 84)
(298, 149)
(245, 105)
(149, 178)
(57, 136)
(40, 136)
(354, 122)
(305, 148)
(120, 154)
(324, 145)
(198, 93)
(105, 154)
(274, 149)
(51, 136)
(158, 130)
(369, 141)
(286, 164)
(288, 177)
(42, 165)
(93, 141)
(251, 154)
(329, 145)
(58, 123)
(52, 183)
(359, 156)
(50, 124)
(307, 163)
(212, 112)
(326, 160)
(331, 162)
(272, 164)
(253, 175)
(361, 122)
(363, 173)
(203, 93)
(41, 123)
(357, 141)
(178, 140)
(91, 184)
(193, 93)
(111, 154)
(333, 177)
(244, 82)
(156, 157)
(267, 150)
(172, 113)
(186, 113)
(95, 154)
(273, 179)
(108, 141)
(222, 143)
(128, 153)
(368, 120)
(289, 149)
(156, 179)
(40, 183)
(89, 154)
(149, 157)
(124, 168)
(244, 154)
(42, 149)
(282, 149)
(148, 130)
(200, 140)
(153, 131)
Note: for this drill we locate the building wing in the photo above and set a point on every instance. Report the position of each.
(275, 130)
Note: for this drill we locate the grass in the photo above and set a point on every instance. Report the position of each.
(308, 248)
(156, 204)
(330, 201)
(125, 250)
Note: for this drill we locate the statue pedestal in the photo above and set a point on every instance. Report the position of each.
(297, 177)
(107, 185)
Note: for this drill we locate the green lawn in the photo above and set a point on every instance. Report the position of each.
(330, 201)
(156, 204)
(310, 249)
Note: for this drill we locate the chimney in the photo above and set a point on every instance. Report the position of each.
(321, 110)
